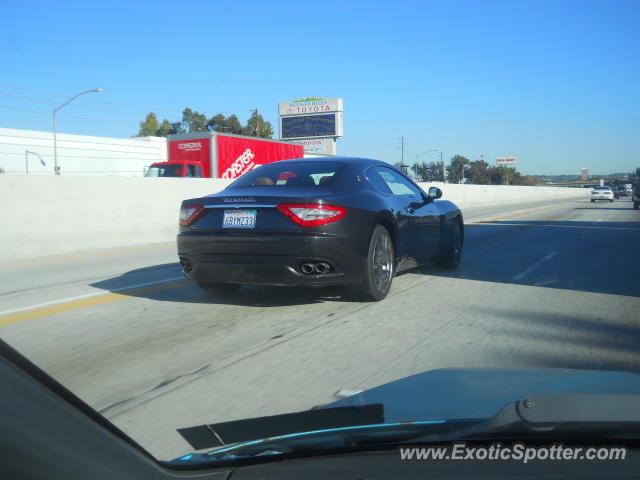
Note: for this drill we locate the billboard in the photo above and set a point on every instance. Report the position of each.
(506, 160)
(238, 155)
(192, 150)
(584, 173)
(308, 126)
(311, 117)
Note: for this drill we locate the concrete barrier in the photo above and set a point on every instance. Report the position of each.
(469, 196)
(47, 215)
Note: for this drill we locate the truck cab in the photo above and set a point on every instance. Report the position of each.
(175, 169)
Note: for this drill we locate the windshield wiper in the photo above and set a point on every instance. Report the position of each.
(546, 416)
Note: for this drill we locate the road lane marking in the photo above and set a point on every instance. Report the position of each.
(85, 302)
(88, 295)
(526, 272)
(528, 212)
(85, 255)
(514, 224)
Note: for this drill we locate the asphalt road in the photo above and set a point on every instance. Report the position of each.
(548, 285)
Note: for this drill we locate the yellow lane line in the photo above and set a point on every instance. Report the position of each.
(83, 303)
(513, 224)
(535, 210)
(85, 255)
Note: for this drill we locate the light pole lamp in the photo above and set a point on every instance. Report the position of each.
(26, 159)
(56, 170)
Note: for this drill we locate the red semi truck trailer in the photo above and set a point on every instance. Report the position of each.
(219, 155)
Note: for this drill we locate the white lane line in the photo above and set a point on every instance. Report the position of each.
(523, 274)
(89, 295)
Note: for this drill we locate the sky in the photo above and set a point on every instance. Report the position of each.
(554, 83)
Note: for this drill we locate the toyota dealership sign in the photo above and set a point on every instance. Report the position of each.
(315, 122)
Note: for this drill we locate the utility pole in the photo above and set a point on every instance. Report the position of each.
(257, 124)
(403, 167)
(442, 166)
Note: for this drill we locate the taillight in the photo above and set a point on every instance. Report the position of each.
(312, 214)
(189, 213)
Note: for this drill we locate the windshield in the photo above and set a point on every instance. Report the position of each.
(165, 171)
(220, 211)
(298, 174)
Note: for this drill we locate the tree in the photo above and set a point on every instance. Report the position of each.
(164, 129)
(455, 171)
(402, 167)
(531, 180)
(507, 175)
(176, 127)
(149, 126)
(194, 121)
(265, 129)
(477, 172)
(234, 125)
(217, 123)
(427, 172)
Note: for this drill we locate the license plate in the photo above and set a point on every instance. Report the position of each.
(239, 219)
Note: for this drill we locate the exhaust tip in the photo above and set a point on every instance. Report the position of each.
(307, 268)
(322, 268)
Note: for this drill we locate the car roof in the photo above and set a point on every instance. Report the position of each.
(362, 162)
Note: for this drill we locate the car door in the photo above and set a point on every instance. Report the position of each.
(423, 223)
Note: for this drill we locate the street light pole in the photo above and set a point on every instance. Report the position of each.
(56, 170)
(26, 159)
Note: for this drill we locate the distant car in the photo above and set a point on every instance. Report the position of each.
(344, 221)
(602, 193)
(622, 191)
(616, 192)
(635, 195)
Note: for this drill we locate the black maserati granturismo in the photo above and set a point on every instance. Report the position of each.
(339, 221)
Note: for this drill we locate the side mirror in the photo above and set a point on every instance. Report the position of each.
(434, 193)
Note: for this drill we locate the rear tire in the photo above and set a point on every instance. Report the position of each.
(451, 258)
(214, 288)
(593, 201)
(380, 268)
(611, 200)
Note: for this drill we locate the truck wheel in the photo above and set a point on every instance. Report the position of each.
(379, 269)
(214, 288)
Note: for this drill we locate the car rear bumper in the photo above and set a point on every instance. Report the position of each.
(269, 259)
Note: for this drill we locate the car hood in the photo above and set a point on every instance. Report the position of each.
(481, 392)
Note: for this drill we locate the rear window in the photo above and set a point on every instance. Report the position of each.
(287, 174)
